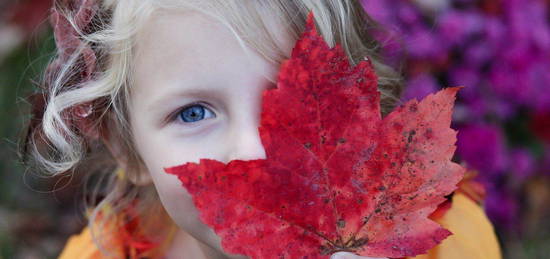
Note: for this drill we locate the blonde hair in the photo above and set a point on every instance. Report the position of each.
(57, 148)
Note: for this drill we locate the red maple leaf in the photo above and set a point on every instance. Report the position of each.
(337, 176)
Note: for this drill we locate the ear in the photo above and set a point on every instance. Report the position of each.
(136, 174)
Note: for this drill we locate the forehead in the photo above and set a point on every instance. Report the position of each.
(185, 33)
(188, 45)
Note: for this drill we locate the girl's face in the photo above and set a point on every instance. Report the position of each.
(196, 95)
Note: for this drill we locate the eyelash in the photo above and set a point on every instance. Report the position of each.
(175, 117)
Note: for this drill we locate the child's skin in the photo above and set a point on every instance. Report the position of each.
(184, 58)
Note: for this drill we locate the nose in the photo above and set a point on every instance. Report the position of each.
(245, 142)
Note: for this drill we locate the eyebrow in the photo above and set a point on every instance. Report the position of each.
(193, 91)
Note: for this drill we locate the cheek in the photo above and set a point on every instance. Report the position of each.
(158, 155)
(177, 201)
(179, 204)
(159, 150)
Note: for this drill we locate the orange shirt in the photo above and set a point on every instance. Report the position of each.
(473, 237)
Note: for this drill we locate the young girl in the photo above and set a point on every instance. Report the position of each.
(139, 86)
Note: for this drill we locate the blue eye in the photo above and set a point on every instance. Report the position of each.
(195, 113)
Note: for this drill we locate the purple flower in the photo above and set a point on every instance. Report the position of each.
(482, 147)
(419, 87)
(538, 81)
(495, 31)
(541, 36)
(379, 10)
(502, 109)
(502, 208)
(408, 14)
(422, 42)
(478, 55)
(392, 46)
(500, 52)
(476, 108)
(455, 27)
(508, 83)
(523, 79)
(467, 77)
(522, 163)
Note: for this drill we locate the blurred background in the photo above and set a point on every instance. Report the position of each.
(37, 213)
(498, 49)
